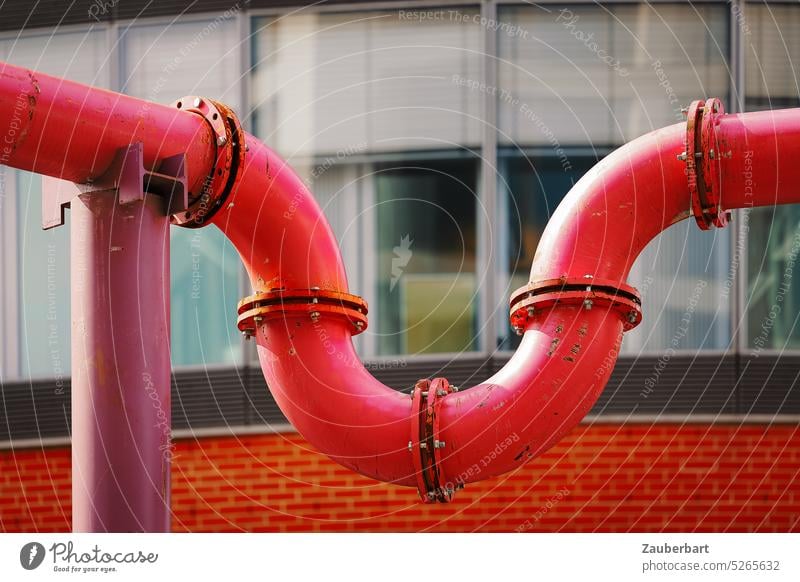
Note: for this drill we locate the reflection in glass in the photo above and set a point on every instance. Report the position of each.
(773, 297)
(566, 102)
(205, 291)
(43, 286)
(426, 240)
(163, 64)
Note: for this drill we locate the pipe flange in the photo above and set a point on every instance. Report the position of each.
(313, 303)
(702, 156)
(229, 141)
(425, 444)
(586, 292)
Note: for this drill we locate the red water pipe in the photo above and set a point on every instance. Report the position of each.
(67, 130)
(572, 315)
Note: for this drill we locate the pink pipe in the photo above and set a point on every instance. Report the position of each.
(121, 419)
(567, 352)
(763, 169)
(67, 130)
(319, 383)
(568, 349)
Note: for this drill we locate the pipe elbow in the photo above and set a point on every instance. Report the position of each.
(278, 228)
(321, 386)
(615, 209)
(304, 345)
(551, 382)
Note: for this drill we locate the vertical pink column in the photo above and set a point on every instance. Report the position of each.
(120, 364)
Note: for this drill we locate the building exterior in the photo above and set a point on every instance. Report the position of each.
(438, 137)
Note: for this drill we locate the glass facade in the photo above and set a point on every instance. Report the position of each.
(162, 64)
(35, 264)
(408, 125)
(772, 301)
(577, 81)
(365, 106)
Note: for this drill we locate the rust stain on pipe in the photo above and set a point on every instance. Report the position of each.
(22, 114)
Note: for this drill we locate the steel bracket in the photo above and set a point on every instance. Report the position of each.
(127, 178)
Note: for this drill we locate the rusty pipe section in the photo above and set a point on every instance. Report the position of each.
(572, 314)
(67, 130)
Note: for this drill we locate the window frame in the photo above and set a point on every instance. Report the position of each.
(491, 300)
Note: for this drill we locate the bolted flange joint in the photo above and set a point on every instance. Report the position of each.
(585, 292)
(702, 156)
(313, 304)
(230, 145)
(426, 445)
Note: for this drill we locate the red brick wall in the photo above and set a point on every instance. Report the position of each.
(600, 478)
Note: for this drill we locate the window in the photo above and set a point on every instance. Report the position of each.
(36, 303)
(577, 81)
(164, 62)
(772, 56)
(365, 105)
(772, 47)
(426, 240)
(372, 82)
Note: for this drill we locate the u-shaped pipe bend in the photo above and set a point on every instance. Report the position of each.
(437, 440)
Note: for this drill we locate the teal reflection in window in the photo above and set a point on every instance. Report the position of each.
(773, 297)
(426, 256)
(43, 286)
(773, 304)
(205, 290)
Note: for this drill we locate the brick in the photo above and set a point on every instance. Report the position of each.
(647, 478)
